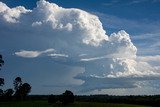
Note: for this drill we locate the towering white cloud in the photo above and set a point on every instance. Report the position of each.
(109, 61)
(11, 15)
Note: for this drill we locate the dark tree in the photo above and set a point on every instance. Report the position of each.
(17, 83)
(1, 81)
(23, 91)
(1, 92)
(67, 97)
(8, 94)
(51, 99)
(1, 95)
(1, 63)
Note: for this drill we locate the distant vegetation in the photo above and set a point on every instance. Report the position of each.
(66, 98)
(76, 104)
(138, 100)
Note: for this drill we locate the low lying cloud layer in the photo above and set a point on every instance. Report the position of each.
(52, 31)
(33, 54)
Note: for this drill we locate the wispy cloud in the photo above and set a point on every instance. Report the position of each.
(128, 3)
(117, 23)
(33, 54)
(58, 55)
(113, 2)
(149, 58)
(132, 2)
(148, 43)
(137, 1)
(155, 1)
(146, 36)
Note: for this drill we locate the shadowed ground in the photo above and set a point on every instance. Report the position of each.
(76, 104)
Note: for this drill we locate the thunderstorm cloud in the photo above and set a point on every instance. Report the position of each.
(75, 38)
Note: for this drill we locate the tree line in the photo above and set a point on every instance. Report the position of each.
(151, 100)
(65, 98)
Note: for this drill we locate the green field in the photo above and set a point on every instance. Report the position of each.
(76, 104)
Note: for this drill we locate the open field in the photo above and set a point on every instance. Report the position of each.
(76, 104)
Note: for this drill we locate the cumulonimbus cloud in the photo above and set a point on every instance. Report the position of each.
(79, 36)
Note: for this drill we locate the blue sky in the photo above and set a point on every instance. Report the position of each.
(64, 63)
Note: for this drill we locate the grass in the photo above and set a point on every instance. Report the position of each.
(76, 104)
(25, 104)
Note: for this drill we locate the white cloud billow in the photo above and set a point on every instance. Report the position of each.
(58, 55)
(28, 54)
(33, 54)
(109, 61)
(11, 15)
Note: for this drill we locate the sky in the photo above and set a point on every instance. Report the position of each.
(86, 46)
